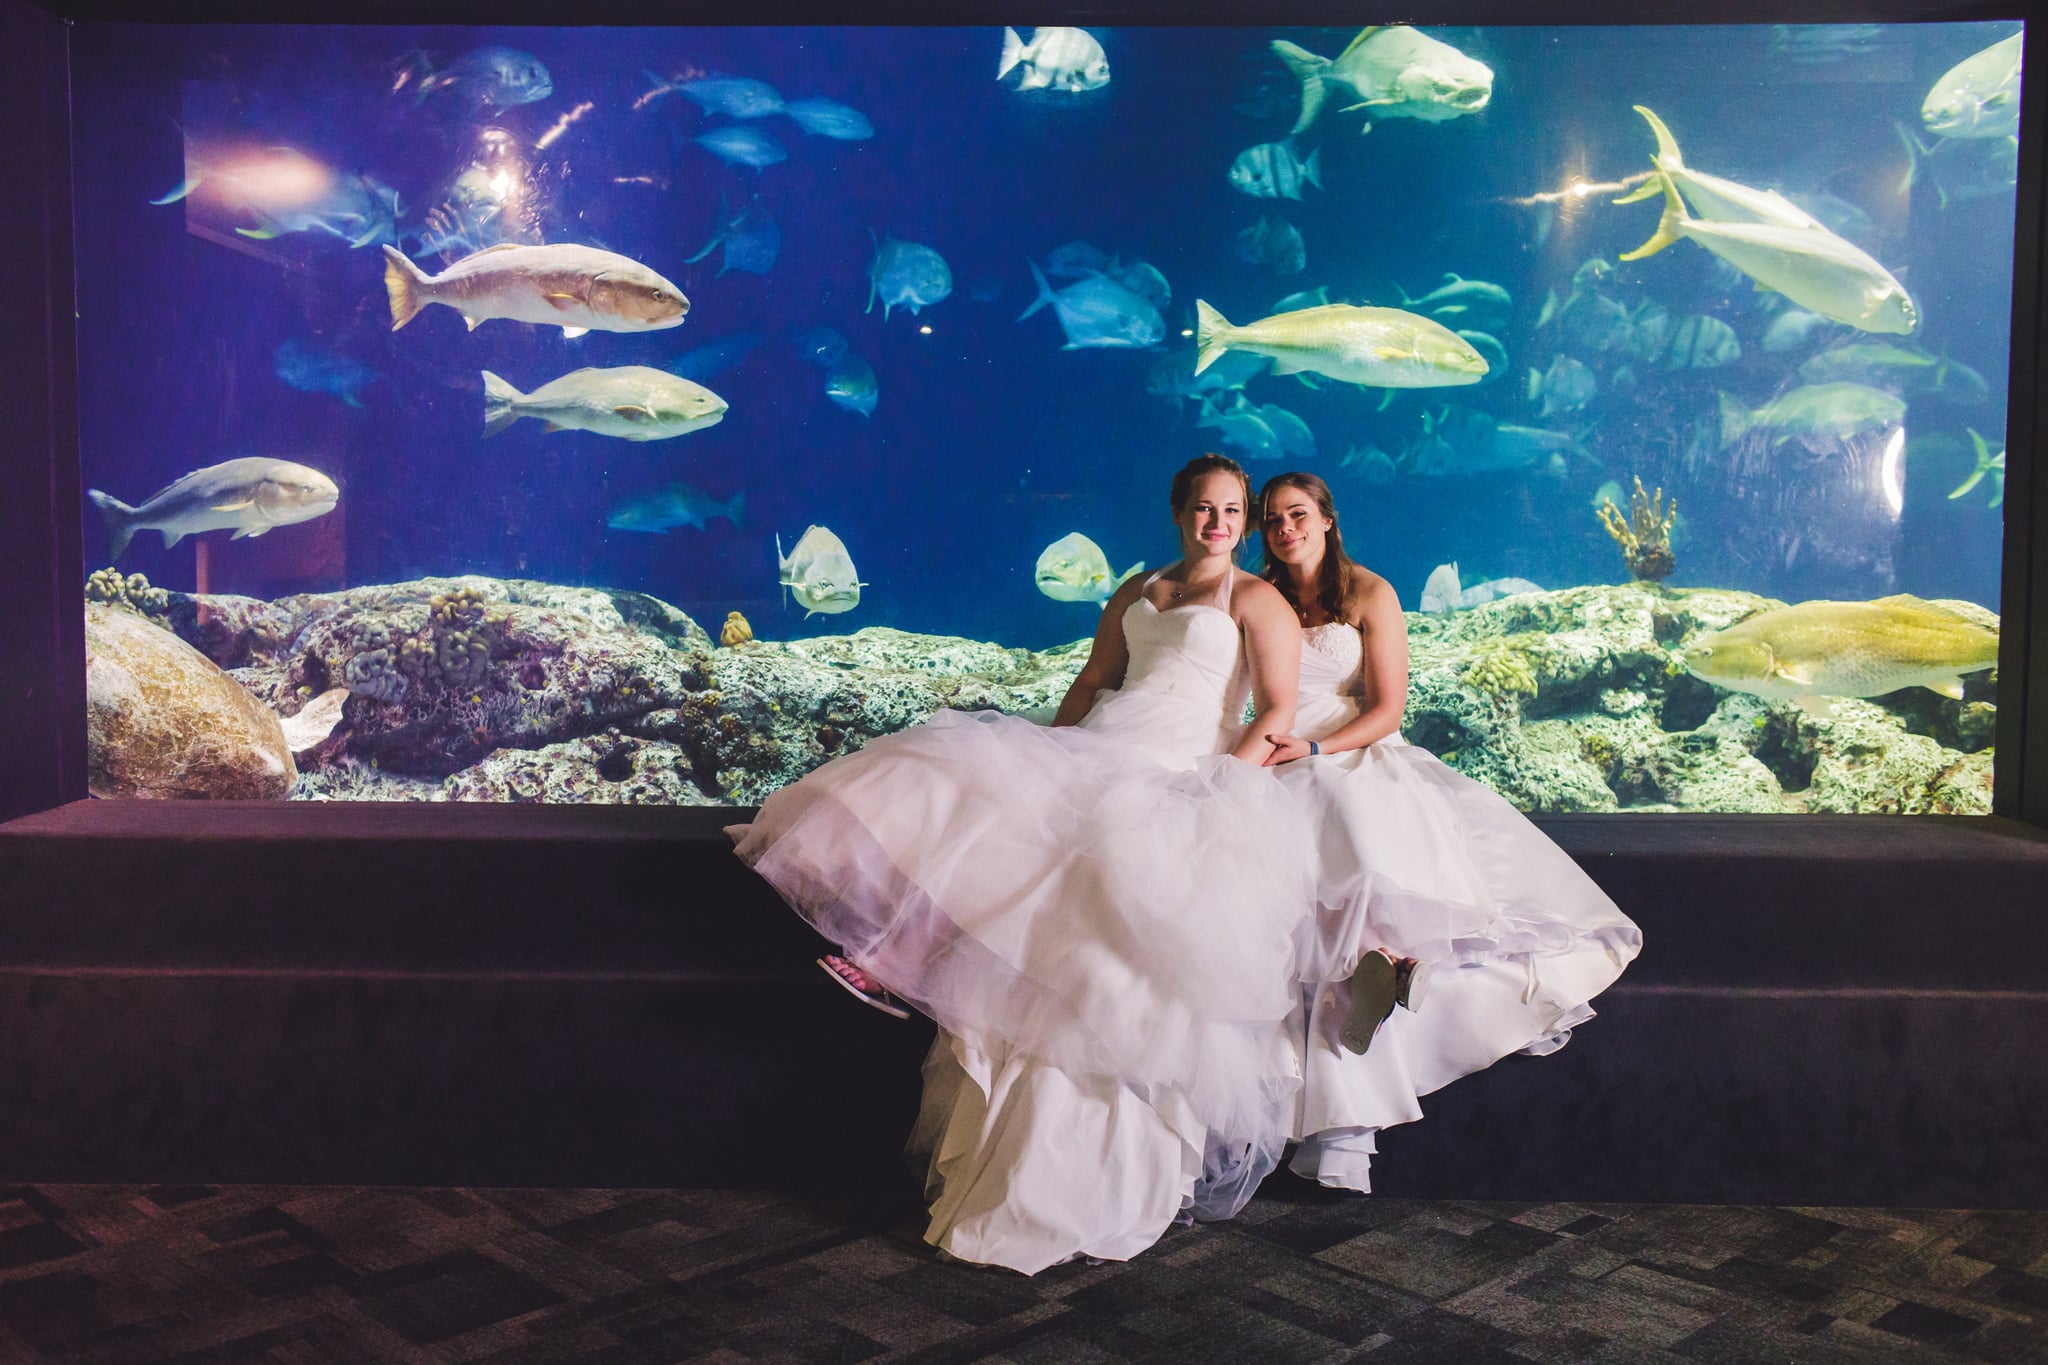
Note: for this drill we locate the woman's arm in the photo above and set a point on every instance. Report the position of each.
(1108, 657)
(1378, 616)
(1272, 646)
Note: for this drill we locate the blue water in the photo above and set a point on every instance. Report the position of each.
(989, 441)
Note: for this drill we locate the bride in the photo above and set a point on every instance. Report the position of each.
(1110, 919)
(1450, 875)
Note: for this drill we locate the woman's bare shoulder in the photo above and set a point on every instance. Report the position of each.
(1368, 593)
(1254, 593)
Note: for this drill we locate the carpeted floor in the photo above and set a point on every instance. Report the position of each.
(246, 1274)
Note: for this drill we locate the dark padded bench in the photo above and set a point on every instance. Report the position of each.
(1829, 1009)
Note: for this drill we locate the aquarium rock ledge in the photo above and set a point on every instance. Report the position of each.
(508, 690)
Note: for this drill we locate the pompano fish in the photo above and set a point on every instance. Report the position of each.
(1098, 311)
(1773, 241)
(1818, 416)
(906, 275)
(819, 573)
(1074, 569)
(829, 118)
(1441, 593)
(1383, 347)
(1395, 72)
(1274, 170)
(1811, 651)
(850, 382)
(1961, 168)
(1979, 96)
(736, 144)
(752, 239)
(735, 96)
(1987, 463)
(252, 495)
(678, 504)
(1056, 58)
(1243, 429)
(633, 402)
(575, 288)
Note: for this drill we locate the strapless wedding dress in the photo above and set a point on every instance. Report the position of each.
(1112, 924)
(1447, 871)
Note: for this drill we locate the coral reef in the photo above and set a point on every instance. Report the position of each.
(108, 586)
(1645, 537)
(486, 689)
(736, 631)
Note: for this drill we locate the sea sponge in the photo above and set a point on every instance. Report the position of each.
(1502, 672)
(736, 632)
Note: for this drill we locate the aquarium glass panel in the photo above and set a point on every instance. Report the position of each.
(650, 415)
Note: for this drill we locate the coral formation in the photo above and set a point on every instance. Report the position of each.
(1502, 671)
(736, 631)
(1645, 537)
(108, 586)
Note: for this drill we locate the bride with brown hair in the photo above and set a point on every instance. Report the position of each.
(1453, 881)
(1111, 919)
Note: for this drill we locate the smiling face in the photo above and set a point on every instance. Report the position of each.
(1212, 519)
(1295, 528)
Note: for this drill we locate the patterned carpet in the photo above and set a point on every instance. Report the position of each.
(247, 1274)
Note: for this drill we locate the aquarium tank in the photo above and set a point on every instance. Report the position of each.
(649, 415)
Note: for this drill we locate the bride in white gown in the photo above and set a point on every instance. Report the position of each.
(1111, 919)
(1518, 937)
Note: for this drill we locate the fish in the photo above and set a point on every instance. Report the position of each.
(1275, 242)
(1441, 592)
(1143, 279)
(1307, 298)
(1792, 329)
(1458, 292)
(1837, 215)
(1567, 386)
(713, 358)
(632, 402)
(1961, 169)
(1824, 44)
(678, 504)
(734, 96)
(1457, 442)
(1274, 170)
(1381, 347)
(1490, 350)
(851, 383)
(1067, 59)
(1072, 260)
(253, 495)
(286, 191)
(819, 573)
(1394, 71)
(906, 275)
(751, 237)
(1242, 429)
(738, 144)
(1987, 464)
(1097, 311)
(1074, 569)
(1370, 463)
(829, 118)
(576, 288)
(1702, 343)
(1818, 416)
(487, 78)
(1173, 376)
(1297, 442)
(1906, 369)
(1978, 97)
(1774, 242)
(312, 368)
(1809, 652)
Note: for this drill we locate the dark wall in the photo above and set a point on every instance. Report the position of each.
(42, 644)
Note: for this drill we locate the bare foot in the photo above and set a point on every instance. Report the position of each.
(852, 975)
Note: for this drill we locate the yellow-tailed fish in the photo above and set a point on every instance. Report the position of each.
(1381, 347)
(1979, 96)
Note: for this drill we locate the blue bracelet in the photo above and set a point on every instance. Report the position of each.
(1314, 748)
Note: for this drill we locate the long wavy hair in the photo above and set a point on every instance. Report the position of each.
(1197, 468)
(1334, 582)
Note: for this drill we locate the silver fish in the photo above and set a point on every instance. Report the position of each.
(829, 118)
(1097, 311)
(632, 402)
(819, 573)
(1275, 242)
(678, 504)
(1274, 170)
(1067, 59)
(252, 495)
(1394, 71)
(575, 288)
(906, 275)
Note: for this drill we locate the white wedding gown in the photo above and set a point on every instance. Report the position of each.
(1447, 871)
(1112, 924)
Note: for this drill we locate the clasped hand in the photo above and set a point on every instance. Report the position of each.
(1286, 748)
